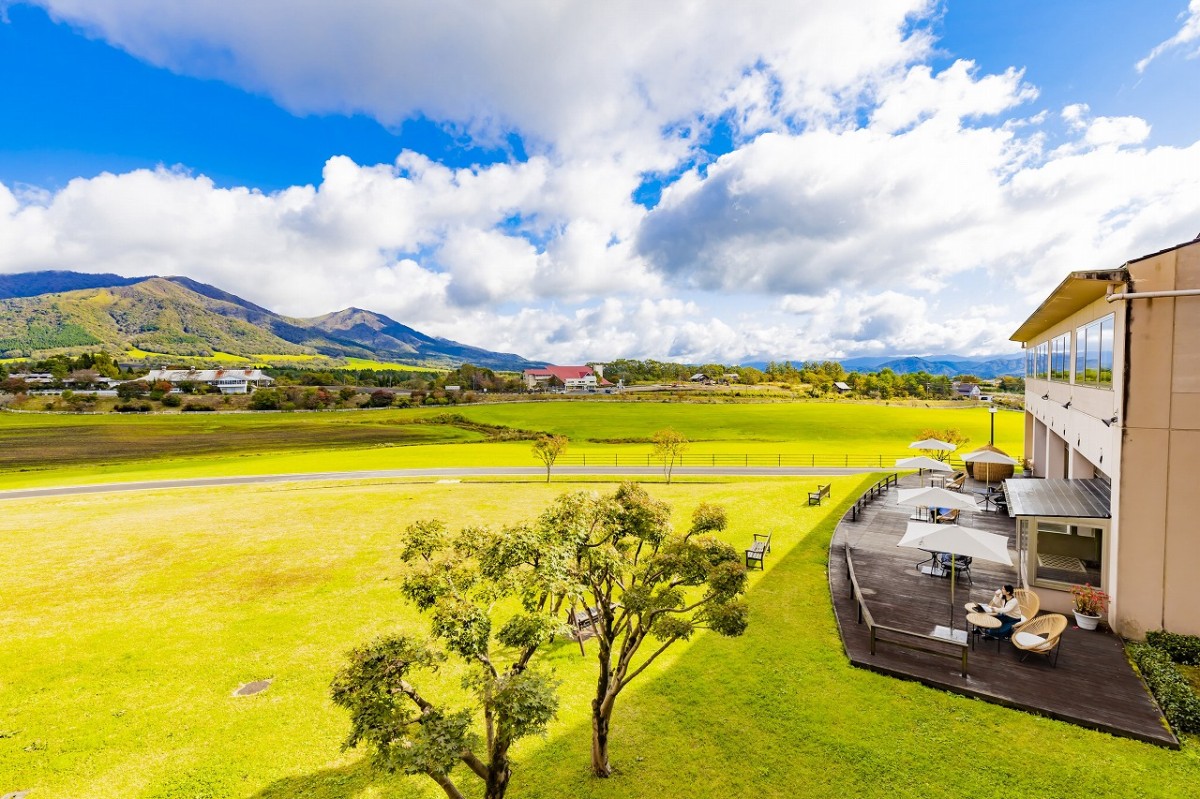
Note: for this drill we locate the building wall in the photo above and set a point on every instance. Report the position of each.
(1073, 441)
(1159, 554)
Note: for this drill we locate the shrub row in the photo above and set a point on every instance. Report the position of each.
(1175, 696)
(1183, 649)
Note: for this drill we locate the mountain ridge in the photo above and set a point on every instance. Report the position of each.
(179, 316)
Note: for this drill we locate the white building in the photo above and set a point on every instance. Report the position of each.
(227, 381)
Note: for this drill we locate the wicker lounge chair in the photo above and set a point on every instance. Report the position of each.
(1029, 602)
(949, 517)
(1041, 635)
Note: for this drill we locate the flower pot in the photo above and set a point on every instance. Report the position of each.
(1085, 621)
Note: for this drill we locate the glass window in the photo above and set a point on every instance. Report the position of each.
(1060, 354)
(1068, 553)
(1094, 353)
(1106, 351)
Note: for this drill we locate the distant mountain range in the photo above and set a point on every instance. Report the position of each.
(47, 311)
(988, 366)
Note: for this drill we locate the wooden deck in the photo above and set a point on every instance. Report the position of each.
(1093, 684)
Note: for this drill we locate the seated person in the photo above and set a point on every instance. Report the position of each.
(1004, 606)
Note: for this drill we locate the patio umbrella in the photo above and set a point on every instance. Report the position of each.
(986, 456)
(934, 498)
(956, 540)
(933, 444)
(923, 462)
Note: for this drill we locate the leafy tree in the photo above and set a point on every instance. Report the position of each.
(547, 449)
(380, 399)
(645, 582)
(669, 446)
(264, 399)
(951, 435)
(132, 389)
(458, 582)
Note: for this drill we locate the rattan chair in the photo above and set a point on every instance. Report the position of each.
(1029, 602)
(949, 517)
(1041, 635)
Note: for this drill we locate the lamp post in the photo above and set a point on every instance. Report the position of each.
(992, 413)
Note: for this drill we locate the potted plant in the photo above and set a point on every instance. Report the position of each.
(1027, 465)
(1089, 605)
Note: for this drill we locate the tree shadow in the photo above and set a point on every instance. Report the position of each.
(337, 783)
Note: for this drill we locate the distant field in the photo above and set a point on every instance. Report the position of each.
(44, 449)
(218, 357)
(47, 440)
(361, 363)
(131, 620)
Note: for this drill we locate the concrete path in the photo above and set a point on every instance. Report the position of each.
(383, 474)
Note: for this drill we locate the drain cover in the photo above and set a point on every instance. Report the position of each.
(249, 689)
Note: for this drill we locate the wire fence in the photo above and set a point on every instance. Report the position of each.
(746, 460)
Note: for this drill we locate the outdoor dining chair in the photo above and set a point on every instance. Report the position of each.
(1041, 635)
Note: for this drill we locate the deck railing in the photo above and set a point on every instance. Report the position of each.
(871, 494)
(904, 638)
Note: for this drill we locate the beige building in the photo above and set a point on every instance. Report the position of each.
(1112, 423)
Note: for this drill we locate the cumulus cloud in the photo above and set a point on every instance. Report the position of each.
(578, 77)
(1188, 34)
(868, 203)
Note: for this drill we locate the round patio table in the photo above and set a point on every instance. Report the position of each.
(983, 621)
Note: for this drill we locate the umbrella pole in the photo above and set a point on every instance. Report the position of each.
(953, 572)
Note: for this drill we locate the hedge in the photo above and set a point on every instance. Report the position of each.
(1183, 649)
(1175, 696)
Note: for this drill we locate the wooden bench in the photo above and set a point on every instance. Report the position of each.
(580, 620)
(822, 492)
(758, 550)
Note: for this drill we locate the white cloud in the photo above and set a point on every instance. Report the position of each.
(578, 77)
(1188, 33)
(869, 203)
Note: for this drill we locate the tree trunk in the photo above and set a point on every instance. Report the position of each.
(447, 786)
(600, 719)
(497, 781)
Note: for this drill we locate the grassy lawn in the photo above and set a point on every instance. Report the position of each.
(48, 449)
(132, 619)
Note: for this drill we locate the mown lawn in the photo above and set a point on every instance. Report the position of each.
(49, 449)
(126, 622)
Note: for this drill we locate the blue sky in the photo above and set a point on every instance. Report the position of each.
(800, 181)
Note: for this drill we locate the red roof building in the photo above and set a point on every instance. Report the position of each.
(571, 378)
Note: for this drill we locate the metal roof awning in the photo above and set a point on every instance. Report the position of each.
(1081, 499)
(1077, 290)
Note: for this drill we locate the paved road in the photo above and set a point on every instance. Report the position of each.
(498, 471)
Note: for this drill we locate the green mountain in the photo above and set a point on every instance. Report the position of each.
(180, 316)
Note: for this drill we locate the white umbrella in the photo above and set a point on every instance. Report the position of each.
(923, 462)
(934, 498)
(986, 456)
(933, 443)
(956, 540)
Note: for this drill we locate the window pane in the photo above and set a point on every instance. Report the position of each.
(1091, 367)
(1106, 351)
(1080, 352)
(1068, 554)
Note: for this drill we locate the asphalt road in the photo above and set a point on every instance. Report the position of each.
(381, 474)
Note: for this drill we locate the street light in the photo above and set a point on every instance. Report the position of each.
(992, 413)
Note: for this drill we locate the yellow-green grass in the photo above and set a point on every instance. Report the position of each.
(381, 366)
(48, 449)
(132, 620)
(217, 357)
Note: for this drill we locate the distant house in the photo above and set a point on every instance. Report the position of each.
(842, 388)
(569, 378)
(699, 377)
(33, 378)
(227, 381)
(967, 390)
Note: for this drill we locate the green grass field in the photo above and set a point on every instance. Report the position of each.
(129, 621)
(49, 449)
